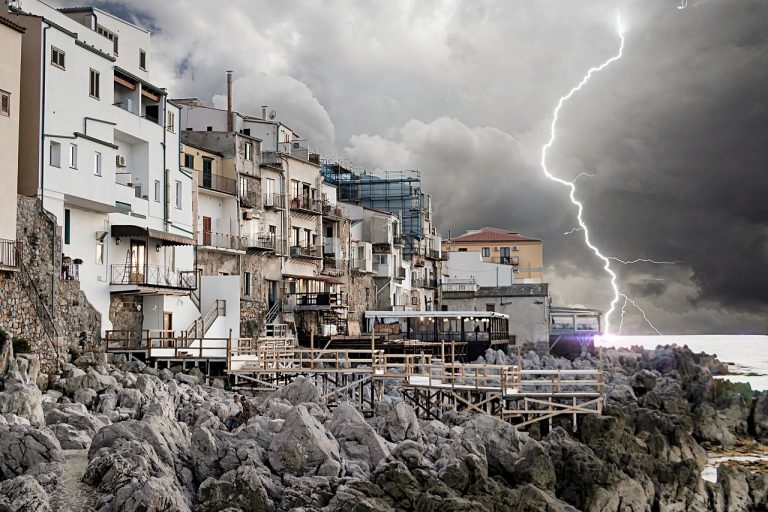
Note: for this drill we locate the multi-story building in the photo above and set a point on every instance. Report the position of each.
(516, 258)
(399, 193)
(10, 82)
(99, 147)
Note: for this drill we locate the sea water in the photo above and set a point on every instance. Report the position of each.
(746, 355)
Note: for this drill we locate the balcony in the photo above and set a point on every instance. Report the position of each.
(274, 201)
(306, 205)
(9, 254)
(262, 242)
(220, 241)
(217, 183)
(362, 265)
(506, 260)
(331, 210)
(400, 273)
(319, 300)
(398, 240)
(153, 275)
(421, 282)
(432, 254)
(459, 285)
(314, 252)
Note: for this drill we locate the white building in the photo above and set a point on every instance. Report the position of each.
(99, 146)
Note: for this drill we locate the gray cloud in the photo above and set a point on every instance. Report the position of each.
(674, 133)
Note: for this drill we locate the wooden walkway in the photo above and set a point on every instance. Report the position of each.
(431, 384)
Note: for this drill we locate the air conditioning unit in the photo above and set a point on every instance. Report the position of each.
(515, 248)
(120, 161)
(514, 260)
(496, 249)
(295, 251)
(247, 214)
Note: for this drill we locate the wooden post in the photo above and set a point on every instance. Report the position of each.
(312, 347)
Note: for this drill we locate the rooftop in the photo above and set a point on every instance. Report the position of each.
(493, 235)
(10, 24)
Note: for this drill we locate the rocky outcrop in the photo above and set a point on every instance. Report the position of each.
(304, 447)
(23, 494)
(20, 394)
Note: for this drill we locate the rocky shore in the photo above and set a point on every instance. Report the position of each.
(125, 437)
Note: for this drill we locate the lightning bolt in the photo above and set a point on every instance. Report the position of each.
(572, 231)
(642, 260)
(683, 4)
(623, 310)
(571, 185)
(627, 299)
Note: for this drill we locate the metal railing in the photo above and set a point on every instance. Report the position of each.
(154, 275)
(276, 201)
(398, 240)
(423, 283)
(306, 204)
(220, 240)
(216, 182)
(399, 273)
(263, 241)
(200, 327)
(320, 299)
(304, 251)
(9, 253)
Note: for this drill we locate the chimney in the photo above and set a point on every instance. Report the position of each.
(230, 127)
(264, 112)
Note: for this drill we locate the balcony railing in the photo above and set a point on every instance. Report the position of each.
(424, 283)
(399, 273)
(432, 254)
(459, 285)
(320, 299)
(506, 260)
(220, 240)
(310, 251)
(218, 183)
(306, 204)
(154, 275)
(398, 240)
(9, 253)
(262, 241)
(276, 201)
(362, 264)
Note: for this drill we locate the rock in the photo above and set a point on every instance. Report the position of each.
(23, 494)
(86, 396)
(70, 438)
(357, 439)
(397, 482)
(303, 447)
(192, 380)
(500, 440)
(735, 488)
(6, 353)
(25, 448)
(300, 391)
(400, 423)
(75, 415)
(241, 488)
(22, 396)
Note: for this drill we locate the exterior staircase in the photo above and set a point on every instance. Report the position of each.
(200, 327)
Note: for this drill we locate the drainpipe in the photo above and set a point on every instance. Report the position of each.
(166, 221)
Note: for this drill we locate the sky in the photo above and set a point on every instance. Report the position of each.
(675, 134)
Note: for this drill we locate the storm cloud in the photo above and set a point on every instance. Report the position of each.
(675, 134)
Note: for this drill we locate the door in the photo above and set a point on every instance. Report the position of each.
(207, 173)
(167, 328)
(206, 231)
(137, 262)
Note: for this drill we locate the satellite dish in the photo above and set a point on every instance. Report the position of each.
(272, 114)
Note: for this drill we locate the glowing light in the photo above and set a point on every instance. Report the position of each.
(571, 185)
(572, 231)
(683, 4)
(642, 260)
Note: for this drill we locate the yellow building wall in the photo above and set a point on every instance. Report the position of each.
(529, 254)
(10, 77)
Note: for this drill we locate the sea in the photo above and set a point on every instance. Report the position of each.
(746, 355)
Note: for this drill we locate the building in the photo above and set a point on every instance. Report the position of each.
(492, 269)
(519, 256)
(98, 147)
(10, 83)
(399, 193)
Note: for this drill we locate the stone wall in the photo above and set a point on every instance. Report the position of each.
(125, 314)
(361, 297)
(17, 314)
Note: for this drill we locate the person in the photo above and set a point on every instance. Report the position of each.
(235, 411)
(247, 412)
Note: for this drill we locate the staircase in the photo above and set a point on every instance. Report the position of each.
(44, 316)
(200, 327)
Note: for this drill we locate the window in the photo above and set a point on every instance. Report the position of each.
(97, 163)
(73, 156)
(170, 124)
(67, 225)
(143, 60)
(296, 236)
(249, 151)
(243, 187)
(307, 237)
(247, 284)
(178, 195)
(189, 161)
(272, 230)
(109, 35)
(100, 251)
(55, 154)
(94, 85)
(5, 103)
(490, 307)
(57, 57)
(294, 189)
(462, 249)
(207, 172)
(329, 232)
(486, 252)
(247, 131)
(209, 128)
(157, 191)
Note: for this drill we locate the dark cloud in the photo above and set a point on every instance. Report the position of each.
(674, 133)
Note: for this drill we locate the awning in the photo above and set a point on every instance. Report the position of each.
(324, 279)
(129, 230)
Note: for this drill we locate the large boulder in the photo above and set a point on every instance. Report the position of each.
(358, 440)
(400, 423)
(23, 494)
(71, 438)
(21, 395)
(241, 488)
(303, 447)
(26, 449)
(300, 391)
(75, 415)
